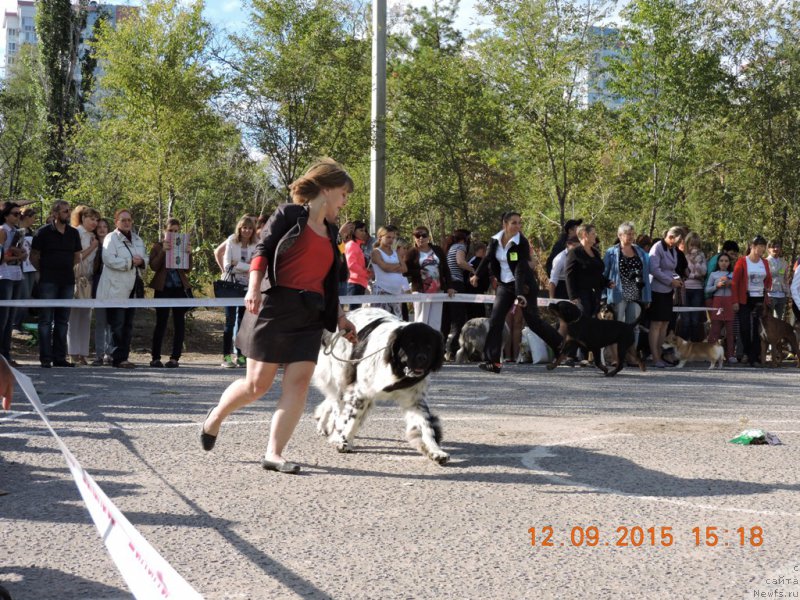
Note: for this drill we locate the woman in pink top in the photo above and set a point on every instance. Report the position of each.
(356, 261)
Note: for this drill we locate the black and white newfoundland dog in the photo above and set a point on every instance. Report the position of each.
(391, 361)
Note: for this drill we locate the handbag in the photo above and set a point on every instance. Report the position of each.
(138, 283)
(83, 287)
(138, 286)
(228, 287)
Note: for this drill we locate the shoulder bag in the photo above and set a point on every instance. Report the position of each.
(228, 287)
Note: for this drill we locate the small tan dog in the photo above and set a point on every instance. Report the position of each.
(691, 351)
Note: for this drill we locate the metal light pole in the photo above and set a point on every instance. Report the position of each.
(377, 177)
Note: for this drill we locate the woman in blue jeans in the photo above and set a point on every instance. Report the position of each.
(239, 250)
(628, 266)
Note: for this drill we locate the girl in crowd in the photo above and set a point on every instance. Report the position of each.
(358, 278)
(388, 269)
(239, 250)
(168, 283)
(751, 280)
(719, 286)
(10, 272)
(692, 322)
(628, 267)
(509, 257)
(84, 219)
(460, 270)
(102, 332)
(428, 272)
(663, 281)
(288, 309)
(124, 259)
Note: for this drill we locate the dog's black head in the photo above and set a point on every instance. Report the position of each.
(415, 350)
(566, 311)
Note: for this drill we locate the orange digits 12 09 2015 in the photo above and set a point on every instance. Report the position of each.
(637, 536)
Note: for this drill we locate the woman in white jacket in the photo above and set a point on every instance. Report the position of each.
(239, 249)
(84, 219)
(123, 255)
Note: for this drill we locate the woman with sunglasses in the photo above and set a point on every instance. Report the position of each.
(429, 274)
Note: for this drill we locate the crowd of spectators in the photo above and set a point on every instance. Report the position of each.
(77, 254)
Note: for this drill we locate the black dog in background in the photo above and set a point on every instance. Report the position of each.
(594, 335)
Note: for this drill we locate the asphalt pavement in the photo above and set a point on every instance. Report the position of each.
(561, 484)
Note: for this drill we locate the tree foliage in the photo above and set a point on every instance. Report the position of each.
(58, 28)
(22, 127)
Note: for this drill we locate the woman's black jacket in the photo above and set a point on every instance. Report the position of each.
(519, 259)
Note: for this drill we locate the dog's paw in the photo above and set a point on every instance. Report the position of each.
(439, 457)
(551, 366)
(343, 447)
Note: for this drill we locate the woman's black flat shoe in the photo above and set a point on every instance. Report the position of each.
(280, 467)
(206, 439)
(490, 367)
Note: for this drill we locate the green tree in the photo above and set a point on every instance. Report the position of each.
(300, 84)
(22, 124)
(670, 76)
(446, 129)
(156, 137)
(58, 27)
(538, 56)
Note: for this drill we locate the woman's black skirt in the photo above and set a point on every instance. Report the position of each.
(287, 329)
(661, 306)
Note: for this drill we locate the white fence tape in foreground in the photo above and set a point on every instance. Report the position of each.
(219, 302)
(145, 571)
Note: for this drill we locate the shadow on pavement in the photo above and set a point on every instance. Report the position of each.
(35, 582)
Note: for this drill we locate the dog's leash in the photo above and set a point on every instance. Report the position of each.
(329, 351)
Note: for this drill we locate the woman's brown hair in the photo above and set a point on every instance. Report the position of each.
(245, 221)
(81, 211)
(324, 174)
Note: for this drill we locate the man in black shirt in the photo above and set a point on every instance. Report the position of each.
(55, 250)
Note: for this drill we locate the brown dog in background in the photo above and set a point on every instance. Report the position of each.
(773, 332)
(6, 384)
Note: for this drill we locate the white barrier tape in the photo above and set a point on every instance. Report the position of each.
(145, 571)
(220, 302)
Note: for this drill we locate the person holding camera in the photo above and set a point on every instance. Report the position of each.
(628, 266)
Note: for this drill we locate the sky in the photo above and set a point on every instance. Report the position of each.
(232, 15)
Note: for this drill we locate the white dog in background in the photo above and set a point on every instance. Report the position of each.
(391, 361)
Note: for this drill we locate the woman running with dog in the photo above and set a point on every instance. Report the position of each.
(509, 257)
(751, 281)
(299, 258)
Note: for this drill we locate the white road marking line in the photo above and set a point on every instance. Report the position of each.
(20, 413)
(531, 458)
